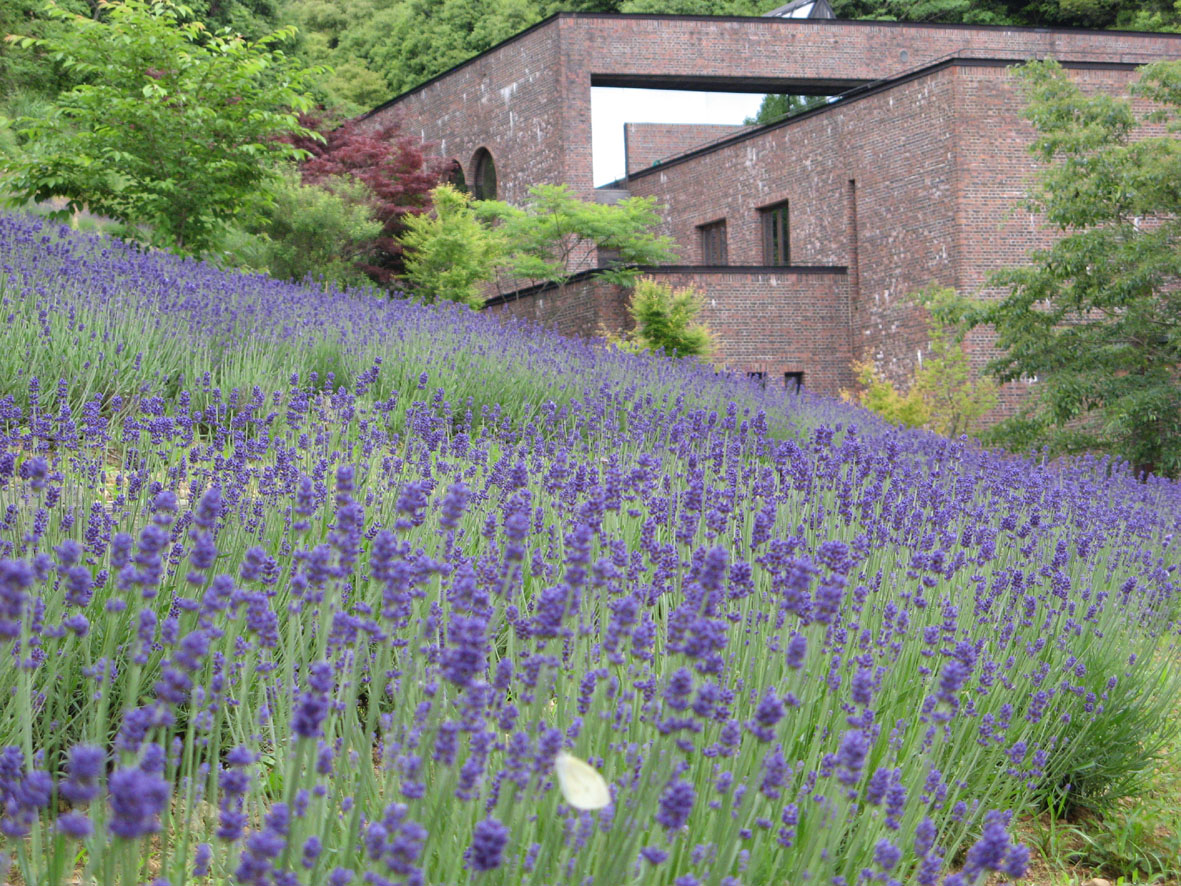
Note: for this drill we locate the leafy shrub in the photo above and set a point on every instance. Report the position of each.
(169, 128)
(450, 253)
(394, 168)
(943, 395)
(555, 235)
(308, 231)
(666, 321)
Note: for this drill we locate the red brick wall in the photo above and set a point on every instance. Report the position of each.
(646, 143)
(897, 147)
(771, 322)
(509, 100)
(528, 100)
(914, 185)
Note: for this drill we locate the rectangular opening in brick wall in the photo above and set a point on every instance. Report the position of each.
(776, 238)
(634, 129)
(793, 381)
(713, 243)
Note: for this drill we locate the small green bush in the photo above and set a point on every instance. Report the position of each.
(666, 321)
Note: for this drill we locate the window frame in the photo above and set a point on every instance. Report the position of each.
(775, 224)
(713, 238)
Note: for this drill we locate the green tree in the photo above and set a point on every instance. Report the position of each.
(307, 231)
(944, 396)
(450, 255)
(778, 106)
(666, 322)
(1096, 318)
(555, 236)
(170, 129)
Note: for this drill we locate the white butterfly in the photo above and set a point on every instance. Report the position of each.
(581, 784)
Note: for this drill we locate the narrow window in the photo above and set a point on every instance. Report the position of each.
(713, 243)
(456, 178)
(776, 250)
(483, 176)
(760, 377)
(793, 381)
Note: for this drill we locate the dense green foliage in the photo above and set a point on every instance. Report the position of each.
(169, 128)
(1095, 318)
(450, 254)
(666, 320)
(308, 231)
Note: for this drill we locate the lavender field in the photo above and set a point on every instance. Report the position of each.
(315, 588)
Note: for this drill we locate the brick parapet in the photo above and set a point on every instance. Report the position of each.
(647, 144)
(764, 320)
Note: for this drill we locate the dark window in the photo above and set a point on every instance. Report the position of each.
(793, 381)
(483, 176)
(713, 243)
(456, 178)
(760, 377)
(776, 249)
(609, 258)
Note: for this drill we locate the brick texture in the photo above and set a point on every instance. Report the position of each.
(646, 144)
(772, 322)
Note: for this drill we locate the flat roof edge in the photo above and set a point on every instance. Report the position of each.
(860, 93)
(657, 270)
(823, 22)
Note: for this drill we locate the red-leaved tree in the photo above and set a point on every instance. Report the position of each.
(395, 168)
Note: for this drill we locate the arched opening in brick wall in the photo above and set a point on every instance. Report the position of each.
(455, 176)
(483, 175)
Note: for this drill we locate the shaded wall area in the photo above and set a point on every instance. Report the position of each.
(772, 321)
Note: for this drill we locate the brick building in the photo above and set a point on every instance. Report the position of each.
(804, 235)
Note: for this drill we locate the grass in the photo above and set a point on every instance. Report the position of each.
(1132, 840)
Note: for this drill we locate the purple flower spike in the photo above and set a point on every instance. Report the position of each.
(675, 805)
(137, 798)
(488, 841)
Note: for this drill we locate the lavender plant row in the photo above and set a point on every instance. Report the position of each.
(115, 323)
(292, 633)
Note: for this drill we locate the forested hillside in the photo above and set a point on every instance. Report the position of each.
(378, 48)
